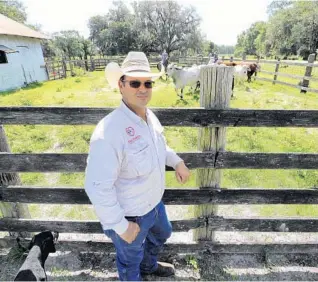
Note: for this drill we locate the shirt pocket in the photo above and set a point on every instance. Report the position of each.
(141, 160)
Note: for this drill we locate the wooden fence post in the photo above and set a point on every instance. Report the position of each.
(215, 92)
(71, 68)
(47, 71)
(64, 68)
(243, 57)
(92, 64)
(276, 70)
(311, 59)
(15, 210)
(53, 68)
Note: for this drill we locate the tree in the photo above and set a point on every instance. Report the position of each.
(69, 42)
(247, 40)
(261, 44)
(114, 33)
(276, 6)
(305, 29)
(240, 48)
(225, 49)
(294, 30)
(14, 10)
(167, 25)
(50, 50)
(96, 25)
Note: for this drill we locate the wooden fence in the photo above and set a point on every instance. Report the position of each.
(304, 80)
(65, 68)
(204, 118)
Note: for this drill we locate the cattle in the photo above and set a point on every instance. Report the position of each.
(184, 77)
(253, 68)
(33, 267)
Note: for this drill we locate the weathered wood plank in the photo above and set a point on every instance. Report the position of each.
(290, 75)
(215, 93)
(174, 248)
(222, 196)
(276, 71)
(269, 161)
(263, 224)
(222, 160)
(308, 71)
(287, 63)
(195, 117)
(93, 226)
(215, 223)
(288, 84)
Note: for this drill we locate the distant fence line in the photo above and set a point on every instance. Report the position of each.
(65, 68)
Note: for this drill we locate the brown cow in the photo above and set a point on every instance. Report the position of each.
(252, 68)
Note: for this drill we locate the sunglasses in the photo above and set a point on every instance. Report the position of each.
(136, 83)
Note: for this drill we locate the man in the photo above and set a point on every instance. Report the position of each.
(125, 173)
(164, 59)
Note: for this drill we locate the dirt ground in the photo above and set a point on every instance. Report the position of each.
(65, 265)
(75, 266)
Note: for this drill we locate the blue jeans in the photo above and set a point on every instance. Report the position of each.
(141, 255)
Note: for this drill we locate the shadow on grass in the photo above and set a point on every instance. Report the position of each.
(256, 267)
(30, 86)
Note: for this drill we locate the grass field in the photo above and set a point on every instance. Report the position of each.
(91, 90)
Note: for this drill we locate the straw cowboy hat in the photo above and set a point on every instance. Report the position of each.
(135, 64)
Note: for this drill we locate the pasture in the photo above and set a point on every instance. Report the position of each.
(91, 90)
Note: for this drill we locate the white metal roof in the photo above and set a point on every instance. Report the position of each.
(11, 27)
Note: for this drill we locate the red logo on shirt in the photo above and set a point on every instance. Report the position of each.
(130, 131)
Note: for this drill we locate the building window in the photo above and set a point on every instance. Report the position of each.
(3, 57)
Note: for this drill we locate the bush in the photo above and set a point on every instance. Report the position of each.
(78, 71)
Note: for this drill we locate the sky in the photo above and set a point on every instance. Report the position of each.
(222, 20)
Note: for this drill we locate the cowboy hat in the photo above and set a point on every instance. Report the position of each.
(135, 64)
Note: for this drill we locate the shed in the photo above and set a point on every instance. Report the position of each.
(21, 55)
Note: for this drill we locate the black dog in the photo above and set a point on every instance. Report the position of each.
(33, 267)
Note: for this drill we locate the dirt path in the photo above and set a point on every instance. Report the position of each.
(73, 266)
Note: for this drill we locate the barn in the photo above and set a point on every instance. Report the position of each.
(21, 56)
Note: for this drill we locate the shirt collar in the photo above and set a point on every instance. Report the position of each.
(135, 118)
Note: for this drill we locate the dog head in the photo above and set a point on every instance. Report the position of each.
(46, 240)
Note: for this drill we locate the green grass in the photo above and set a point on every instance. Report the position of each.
(91, 90)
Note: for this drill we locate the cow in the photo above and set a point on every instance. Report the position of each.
(184, 76)
(253, 68)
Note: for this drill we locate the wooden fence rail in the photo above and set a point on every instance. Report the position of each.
(215, 223)
(172, 196)
(291, 75)
(222, 160)
(206, 159)
(173, 248)
(192, 117)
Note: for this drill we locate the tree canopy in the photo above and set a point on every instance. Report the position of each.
(292, 29)
(14, 10)
(152, 26)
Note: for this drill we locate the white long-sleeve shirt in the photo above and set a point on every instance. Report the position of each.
(125, 173)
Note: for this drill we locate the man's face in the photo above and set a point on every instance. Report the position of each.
(137, 97)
